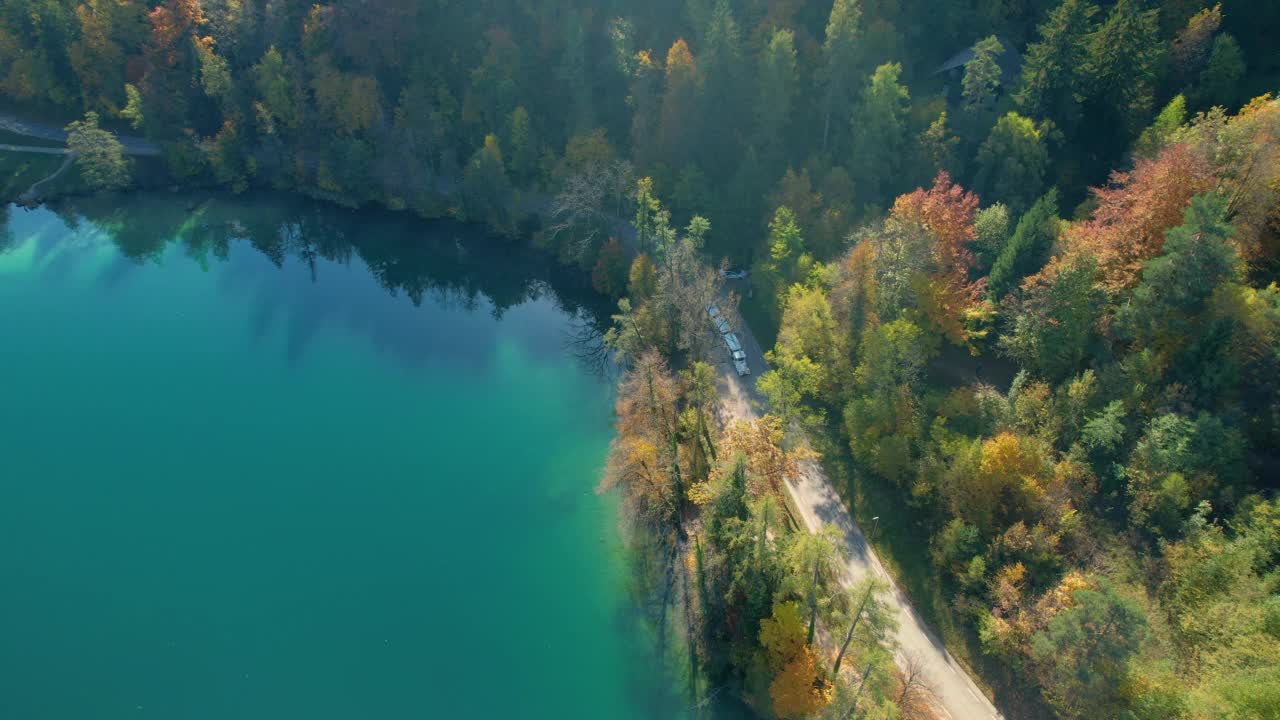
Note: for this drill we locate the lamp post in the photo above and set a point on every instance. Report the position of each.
(875, 525)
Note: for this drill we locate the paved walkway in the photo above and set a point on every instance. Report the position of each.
(957, 696)
(132, 145)
(34, 149)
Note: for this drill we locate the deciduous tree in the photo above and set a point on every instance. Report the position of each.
(99, 155)
(1084, 652)
(879, 133)
(1013, 161)
(797, 691)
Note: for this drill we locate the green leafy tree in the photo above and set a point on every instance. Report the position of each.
(486, 191)
(725, 92)
(955, 546)
(785, 247)
(132, 110)
(1168, 307)
(1013, 161)
(785, 242)
(865, 610)
(1053, 322)
(1124, 62)
(1219, 82)
(812, 571)
(1084, 652)
(274, 89)
(1053, 78)
(524, 147)
(215, 72)
(692, 190)
(648, 214)
(1223, 614)
(98, 153)
(1157, 136)
(804, 359)
(840, 55)
(786, 387)
(880, 132)
(731, 506)
(809, 329)
(937, 148)
(1029, 247)
(982, 74)
(882, 420)
(1177, 463)
(992, 227)
(778, 85)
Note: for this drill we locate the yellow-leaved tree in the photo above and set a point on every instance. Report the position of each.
(797, 692)
(783, 635)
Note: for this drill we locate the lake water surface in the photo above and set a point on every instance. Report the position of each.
(263, 459)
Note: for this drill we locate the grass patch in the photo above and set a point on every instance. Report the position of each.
(19, 171)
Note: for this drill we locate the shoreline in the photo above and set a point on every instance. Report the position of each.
(859, 551)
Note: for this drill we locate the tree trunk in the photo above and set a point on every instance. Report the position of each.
(764, 531)
(826, 127)
(849, 637)
(853, 708)
(706, 434)
(813, 601)
(675, 474)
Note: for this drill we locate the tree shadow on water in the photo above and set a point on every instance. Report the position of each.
(318, 266)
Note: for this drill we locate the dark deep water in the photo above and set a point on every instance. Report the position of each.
(260, 458)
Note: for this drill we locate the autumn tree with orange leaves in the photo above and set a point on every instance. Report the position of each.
(643, 462)
(173, 59)
(1133, 212)
(923, 258)
(761, 441)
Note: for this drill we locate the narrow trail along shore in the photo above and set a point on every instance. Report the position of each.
(956, 696)
(12, 123)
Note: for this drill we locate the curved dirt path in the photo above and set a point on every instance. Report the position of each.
(33, 192)
(956, 695)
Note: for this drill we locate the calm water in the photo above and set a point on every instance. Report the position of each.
(260, 459)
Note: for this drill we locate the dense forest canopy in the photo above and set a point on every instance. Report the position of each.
(1019, 256)
(716, 100)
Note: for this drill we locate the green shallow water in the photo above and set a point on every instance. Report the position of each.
(260, 459)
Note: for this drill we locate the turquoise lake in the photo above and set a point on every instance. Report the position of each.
(266, 459)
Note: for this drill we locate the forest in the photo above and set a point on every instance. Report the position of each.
(1016, 262)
